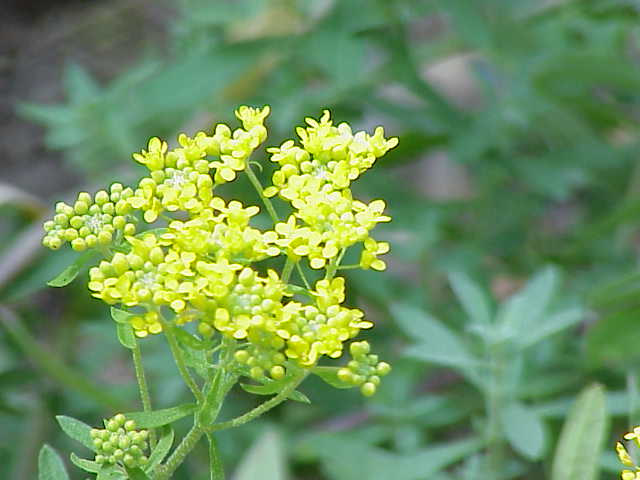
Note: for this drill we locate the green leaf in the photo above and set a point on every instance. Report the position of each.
(550, 325)
(272, 389)
(614, 339)
(526, 307)
(77, 430)
(474, 301)
(110, 472)
(162, 448)
(50, 465)
(330, 376)
(126, 336)
(158, 418)
(121, 316)
(86, 465)
(524, 430)
(71, 272)
(582, 438)
(435, 343)
(266, 459)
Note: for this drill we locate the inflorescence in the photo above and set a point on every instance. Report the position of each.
(202, 264)
(627, 460)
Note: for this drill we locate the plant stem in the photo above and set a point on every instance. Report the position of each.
(145, 397)
(260, 409)
(495, 453)
(179, 359)
(216, 468)
(286, 271)
(272, 212)
(177, 457)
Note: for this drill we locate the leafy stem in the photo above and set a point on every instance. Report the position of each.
(177, 457)
(263, 408)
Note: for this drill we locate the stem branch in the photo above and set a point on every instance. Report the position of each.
(145, 397)
(179, 359)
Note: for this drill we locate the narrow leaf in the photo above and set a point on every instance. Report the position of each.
(162, 448)
(265, 460)
(526, 307)
(551, 325)
(50, 465)
(125, 335)
(121, 316)
(76, 429)
(473, 300)
(524, 430)
(158, 418)
(71, 272)
(136, 474)
(86, 465)
(582, 438)
(269, 390)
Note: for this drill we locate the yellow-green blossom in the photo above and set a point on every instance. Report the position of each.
(626, 459)
(120, 443)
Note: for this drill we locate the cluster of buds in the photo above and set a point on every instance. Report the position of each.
(364, 370)
(91, 221)
(120, 443)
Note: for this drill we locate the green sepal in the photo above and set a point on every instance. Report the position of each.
(71, 272)
(111, 472)
(50, 465)
(86, 465)
(125, 335)
(77, 430)
(330, 376)
(162, 448)
(159, 418)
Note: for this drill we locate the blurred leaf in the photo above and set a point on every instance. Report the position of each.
(524, 430)
(126, 336)
(136, 474)
(614, 338)
(473, 299)
(79, 85)
(272, 387)
(264, 460)
(582, 439)
(165, 416)
(550, 325)
(77, 430)
(525, 308)
(50, 465)
(435, 343)
(71, 272)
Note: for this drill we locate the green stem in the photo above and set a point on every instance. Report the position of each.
(286, 272)
(495, 441)
(349, 267)
(179, 359)
(272, 212)
(145, 397)
(216, 468)
(267, 202)
(180, 453)
(260, 409)
(333, 266)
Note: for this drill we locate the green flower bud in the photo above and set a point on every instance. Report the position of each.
(277, 372)
(101, 197)
(129, 425)
(368, 389)
(79, 245)
(383, 368)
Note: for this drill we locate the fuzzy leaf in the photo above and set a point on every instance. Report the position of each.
(76, 429)
(330, 376)
(582, 437)
(162, 448)
(121, 316)
(125, 335)
(86, 465)
(50, 465)
(524, 430)
(474, 301)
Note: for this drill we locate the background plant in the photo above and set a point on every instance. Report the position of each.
(530, 163)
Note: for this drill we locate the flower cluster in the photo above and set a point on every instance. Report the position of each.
(120, 443)
(364, 370)
(626, 458)
(314, 178)
(201, 265)
(91, 221)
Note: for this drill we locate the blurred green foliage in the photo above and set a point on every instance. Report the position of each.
(542, 134)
